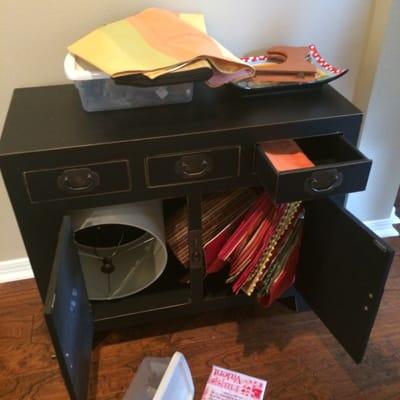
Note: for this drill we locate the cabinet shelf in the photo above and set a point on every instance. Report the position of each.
(216, 288)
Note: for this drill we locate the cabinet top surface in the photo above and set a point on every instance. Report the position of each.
(46, 118)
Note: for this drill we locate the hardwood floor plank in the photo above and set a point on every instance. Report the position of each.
(36, 386)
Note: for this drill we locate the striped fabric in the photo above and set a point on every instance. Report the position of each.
(155, 42)
(218, 211)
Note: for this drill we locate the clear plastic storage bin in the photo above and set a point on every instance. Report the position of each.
(99, 92)
(162, 379)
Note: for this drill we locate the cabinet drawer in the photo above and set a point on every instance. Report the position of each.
(78, 180)
(339, 168)
(189, 167)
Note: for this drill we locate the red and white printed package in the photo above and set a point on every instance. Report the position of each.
(224, 384)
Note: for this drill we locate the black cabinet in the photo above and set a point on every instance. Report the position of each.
(72, 160)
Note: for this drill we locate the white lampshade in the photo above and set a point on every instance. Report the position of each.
(121, 248)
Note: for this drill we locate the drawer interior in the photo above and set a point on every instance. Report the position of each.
(325, 150)
(331, 149)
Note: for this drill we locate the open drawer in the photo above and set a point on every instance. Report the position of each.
(339, 168)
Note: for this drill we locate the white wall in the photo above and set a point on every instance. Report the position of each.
(379, 14)
(35, 34)
(380, 138)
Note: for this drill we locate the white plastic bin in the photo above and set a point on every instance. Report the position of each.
(99, 92)
(162, 379)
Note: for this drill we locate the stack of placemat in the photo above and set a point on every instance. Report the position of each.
(246, 232)
(156, 43)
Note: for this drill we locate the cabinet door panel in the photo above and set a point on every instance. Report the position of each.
(342, 273)
(68, 315)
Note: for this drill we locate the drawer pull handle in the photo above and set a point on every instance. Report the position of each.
(78, 180)
(193, 166)
(317, 182)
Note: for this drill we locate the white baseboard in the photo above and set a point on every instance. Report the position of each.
(384, 227)
(15, 270)
(20, 268)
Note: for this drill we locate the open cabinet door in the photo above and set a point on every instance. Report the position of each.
(342, 273)
(68, 315)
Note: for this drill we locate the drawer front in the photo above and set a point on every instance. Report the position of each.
(339, 168)
(189, 167)
(78, 181)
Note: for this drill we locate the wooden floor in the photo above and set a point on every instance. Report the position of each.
(294, 352)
